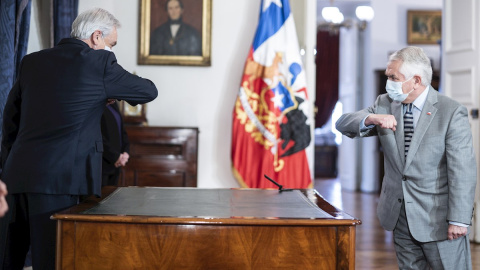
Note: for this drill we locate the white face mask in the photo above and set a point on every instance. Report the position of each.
(106, 47)
(395, 92)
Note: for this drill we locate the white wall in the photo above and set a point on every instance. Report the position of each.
(203, 97)
(348, 94)
(385, 34)
(305, 15)
(389, 29)
(200, 97)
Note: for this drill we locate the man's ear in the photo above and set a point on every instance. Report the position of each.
(95, 37)
(418, 79)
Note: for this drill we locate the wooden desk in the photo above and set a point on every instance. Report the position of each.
(86, 241)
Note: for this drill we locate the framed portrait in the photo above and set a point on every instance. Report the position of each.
(175, 32)
(135, 115)
(424, 26)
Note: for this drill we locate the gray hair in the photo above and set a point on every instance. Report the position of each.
(414, 62)
(92, 20)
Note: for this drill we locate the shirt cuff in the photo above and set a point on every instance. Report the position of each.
(363, 127)
(458, 224)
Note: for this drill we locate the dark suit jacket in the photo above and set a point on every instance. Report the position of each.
(52, 142)
(113, 143)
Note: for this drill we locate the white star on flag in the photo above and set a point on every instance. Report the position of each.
(267, 3)
(277, 100)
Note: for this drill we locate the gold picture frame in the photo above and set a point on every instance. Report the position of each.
(135, 115)
(195, 20)
(424, 26)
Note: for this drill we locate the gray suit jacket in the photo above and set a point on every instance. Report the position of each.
(438, 178)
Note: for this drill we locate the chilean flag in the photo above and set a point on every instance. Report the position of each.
(271, 124)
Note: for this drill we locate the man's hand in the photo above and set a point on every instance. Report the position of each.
(3, 202)
(122, 159)
(110, 101)
(455, 231)
(382, 120)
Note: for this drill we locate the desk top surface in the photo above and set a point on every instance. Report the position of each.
(196, 205)
(207, 203)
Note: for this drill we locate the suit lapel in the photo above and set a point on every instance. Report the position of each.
(397, 111)
(426, 117)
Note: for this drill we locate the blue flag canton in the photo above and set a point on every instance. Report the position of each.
(271, 20)
(282, 98)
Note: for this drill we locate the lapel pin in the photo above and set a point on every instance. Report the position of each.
(429, 113)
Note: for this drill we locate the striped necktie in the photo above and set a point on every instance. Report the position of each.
(408, 127)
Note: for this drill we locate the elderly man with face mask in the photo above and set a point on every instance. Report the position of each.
(430, 178)
(52, 142)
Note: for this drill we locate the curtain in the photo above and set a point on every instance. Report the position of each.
(64, 13)
(327, 62)
(14, 30)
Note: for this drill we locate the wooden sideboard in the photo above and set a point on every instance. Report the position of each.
(161, 157)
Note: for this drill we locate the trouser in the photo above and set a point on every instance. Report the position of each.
(28, 223)
(111, 179)
(437, 255)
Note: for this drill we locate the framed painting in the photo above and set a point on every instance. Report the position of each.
(175, 32)
(135, 115)
(424, 26)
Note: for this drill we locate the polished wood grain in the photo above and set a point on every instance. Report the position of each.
(145, 242)
(161, 157)
(149, 246)
(374, 246)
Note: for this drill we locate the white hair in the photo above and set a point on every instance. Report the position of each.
(414, 62)
(92, 20)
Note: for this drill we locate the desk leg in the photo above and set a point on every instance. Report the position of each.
(65, 248)
(346, 247)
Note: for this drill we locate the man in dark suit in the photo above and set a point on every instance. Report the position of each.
(52, 144)
(115, 145)
(175, 37)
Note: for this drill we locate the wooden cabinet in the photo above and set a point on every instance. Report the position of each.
(161, 157)
(326, 161)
